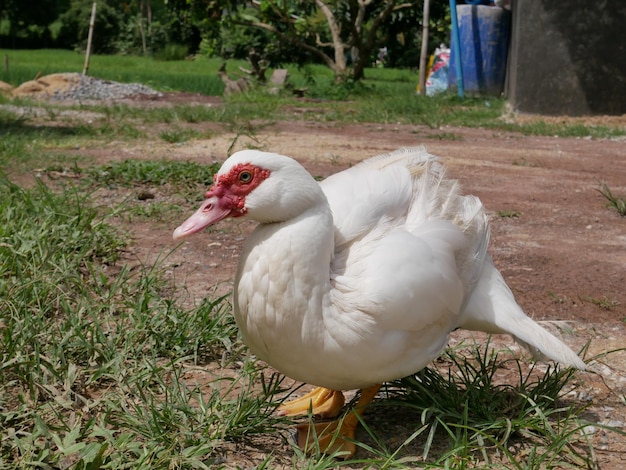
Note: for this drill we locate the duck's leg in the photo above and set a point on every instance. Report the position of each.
(338, 435)
(322, 402)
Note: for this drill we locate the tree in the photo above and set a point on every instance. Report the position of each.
(27, 26)
(343, 34)
(75, 26)
(126, 27)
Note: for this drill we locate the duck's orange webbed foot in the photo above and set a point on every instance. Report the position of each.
(322, 402)
(335, 437)
(331, 437)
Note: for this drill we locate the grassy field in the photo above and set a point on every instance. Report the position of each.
(385, 96)
(94, 352)
(194, 76)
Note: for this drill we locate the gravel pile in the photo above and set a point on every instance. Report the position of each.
(89, 88)
(73, 86)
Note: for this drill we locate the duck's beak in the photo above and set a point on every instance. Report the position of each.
(209, 213)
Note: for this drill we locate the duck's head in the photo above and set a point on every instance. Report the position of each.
(265, 187)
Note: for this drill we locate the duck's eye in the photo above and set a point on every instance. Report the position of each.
(245, 177)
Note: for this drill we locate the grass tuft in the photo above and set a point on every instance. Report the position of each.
(483, 416)
(509, 214)
(184, 175)
(605, 302)
(614, 202)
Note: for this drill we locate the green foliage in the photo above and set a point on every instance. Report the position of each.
(292, 32)
(75, 26)
(236, 39)
(120, 26)
(22, 26)
(302, 32)
(172, 52)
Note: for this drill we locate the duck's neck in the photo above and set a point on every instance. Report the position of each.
(283, 277)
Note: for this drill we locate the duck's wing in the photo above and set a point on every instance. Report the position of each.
(407, 188)
(375, 189)
(409, 248)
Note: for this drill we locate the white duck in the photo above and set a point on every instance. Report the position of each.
(358, 280)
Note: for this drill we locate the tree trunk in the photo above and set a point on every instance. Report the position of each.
(142, 33)
(369, 41)
(149, 12)
(340, 67)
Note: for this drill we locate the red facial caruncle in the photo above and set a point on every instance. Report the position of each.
(232, 187)
(226, 198)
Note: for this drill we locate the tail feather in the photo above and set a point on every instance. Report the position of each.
(543, 344)
(493, 309)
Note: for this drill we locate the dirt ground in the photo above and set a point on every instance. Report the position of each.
(561, 250)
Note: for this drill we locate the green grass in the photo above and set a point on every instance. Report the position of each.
(94, 355)
(474, 409)
(177, 183)
(385, 96)
(606, 303)
(157, 173)
(197, 76)
(24, 144)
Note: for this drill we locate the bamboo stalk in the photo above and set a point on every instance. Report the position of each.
(89, 38)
